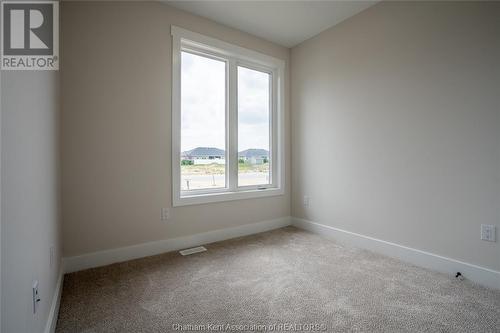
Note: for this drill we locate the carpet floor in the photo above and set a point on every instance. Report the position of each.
(282, 280)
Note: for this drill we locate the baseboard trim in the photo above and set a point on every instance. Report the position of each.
(481, 275)
(107, 257)
(54, 307)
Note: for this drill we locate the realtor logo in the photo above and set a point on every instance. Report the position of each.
(30, 35)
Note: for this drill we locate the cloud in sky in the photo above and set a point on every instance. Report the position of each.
(203, 105)
(253, 109)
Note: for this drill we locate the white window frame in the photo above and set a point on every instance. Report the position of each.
(234, 56)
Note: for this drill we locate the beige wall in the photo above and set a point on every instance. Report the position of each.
(116, 137)
(29, 196)
(396, 126)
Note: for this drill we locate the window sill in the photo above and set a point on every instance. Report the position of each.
(199, 199)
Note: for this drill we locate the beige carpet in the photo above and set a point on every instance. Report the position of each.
(275, 279)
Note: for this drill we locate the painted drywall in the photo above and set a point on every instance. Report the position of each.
(29, 196)
(1, 255)
(116, 130)
(396, 126)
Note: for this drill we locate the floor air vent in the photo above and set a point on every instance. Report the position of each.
(193, 250)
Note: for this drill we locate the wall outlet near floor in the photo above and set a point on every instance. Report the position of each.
(36, 296)
(165, 214)
(306, 201)
(488, 232)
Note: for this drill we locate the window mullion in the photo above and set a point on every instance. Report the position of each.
(232, 129)
(275, 160)
(176, 120)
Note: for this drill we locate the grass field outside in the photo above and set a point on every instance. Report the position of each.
(218, 169)
(203, 176)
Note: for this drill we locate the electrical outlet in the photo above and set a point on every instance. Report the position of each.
(36, 296)
(165, 214)
(488, 232)
(306, 201)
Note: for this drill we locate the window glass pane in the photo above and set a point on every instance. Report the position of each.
(203, 119)
(253, 127)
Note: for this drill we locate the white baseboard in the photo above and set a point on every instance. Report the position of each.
(54, 307)
(102, 258)
(481, 275)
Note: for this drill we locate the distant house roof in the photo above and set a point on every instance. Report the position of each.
(203, 152)
(211, 151)
(249, 153)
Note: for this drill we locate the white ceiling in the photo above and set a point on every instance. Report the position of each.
(286, 23)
